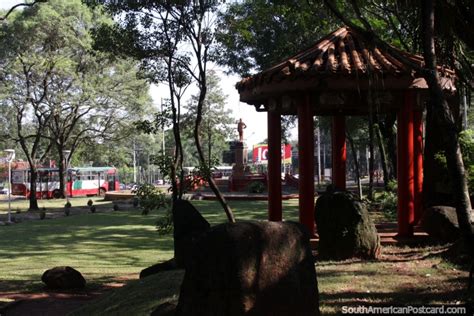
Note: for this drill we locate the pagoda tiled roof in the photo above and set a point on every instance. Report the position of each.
(342, 53)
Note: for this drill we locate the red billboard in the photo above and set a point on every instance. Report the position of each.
(260, 154)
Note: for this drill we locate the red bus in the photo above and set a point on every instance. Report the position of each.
(85, 181)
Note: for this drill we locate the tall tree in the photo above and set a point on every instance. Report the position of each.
(19, 5)
(216, 119)
(84, 94)
(254, 34)
(175, 39)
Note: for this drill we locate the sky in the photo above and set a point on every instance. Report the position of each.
(256, 122)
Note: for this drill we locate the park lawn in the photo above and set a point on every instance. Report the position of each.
(403, 276)
(108, 245)
(21, 205)
(103, 246)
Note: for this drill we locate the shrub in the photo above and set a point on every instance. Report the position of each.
(387, 202)
(151, 199)
(164, 225)
(392, 186)
(256, 187)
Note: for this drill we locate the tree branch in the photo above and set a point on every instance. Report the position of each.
(20, 5)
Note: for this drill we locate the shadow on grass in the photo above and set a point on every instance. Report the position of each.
(401, 297)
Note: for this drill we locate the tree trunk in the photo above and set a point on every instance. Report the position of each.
(33, 179)
(209, 144)
(444, 117)
(383, 157)
(356, 162)
(386, 128)
(212, 183)
(370, 194)
(62, 184)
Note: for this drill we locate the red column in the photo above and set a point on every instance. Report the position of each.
(274, 166)
(405, 161)
(306, 163)
(339, 152)
(418, 163)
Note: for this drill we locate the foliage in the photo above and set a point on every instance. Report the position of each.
(256, 187)
(466, 140)
(255, 34)
(60, 92)
(151, 199)
(216, 125)
(164, 224)
(392, 186)
(164, 163)
(387, 201)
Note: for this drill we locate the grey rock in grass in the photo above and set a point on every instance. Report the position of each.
(188, 225)
(251, 268)
(345, 228)
(64, 277)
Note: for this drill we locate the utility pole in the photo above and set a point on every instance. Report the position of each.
(134, 163)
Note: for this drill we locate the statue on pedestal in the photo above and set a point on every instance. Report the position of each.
(240, 128)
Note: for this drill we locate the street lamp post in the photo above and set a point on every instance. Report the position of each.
(10, 156)
(66, 154)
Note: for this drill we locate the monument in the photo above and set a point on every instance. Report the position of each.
(240, 152)
(241, 175)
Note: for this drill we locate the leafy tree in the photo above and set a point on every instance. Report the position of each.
(216, 122)
(254, 34)
(24, 4)
(75, 94)
(175, 43)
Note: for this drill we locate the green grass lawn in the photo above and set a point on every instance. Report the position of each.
(107, 245)
(102, 246)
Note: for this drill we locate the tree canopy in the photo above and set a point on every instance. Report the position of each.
(60, 92)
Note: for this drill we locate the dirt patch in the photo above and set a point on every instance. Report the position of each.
(55, 303)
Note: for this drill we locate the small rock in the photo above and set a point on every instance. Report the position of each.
(63, 278)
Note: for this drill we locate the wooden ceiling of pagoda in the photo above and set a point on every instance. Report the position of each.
(340, 72)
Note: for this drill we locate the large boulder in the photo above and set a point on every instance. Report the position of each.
(159, 267)
(63, 278)
(251, 268)
(188, 225)
(441, 223)
(345, 228)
